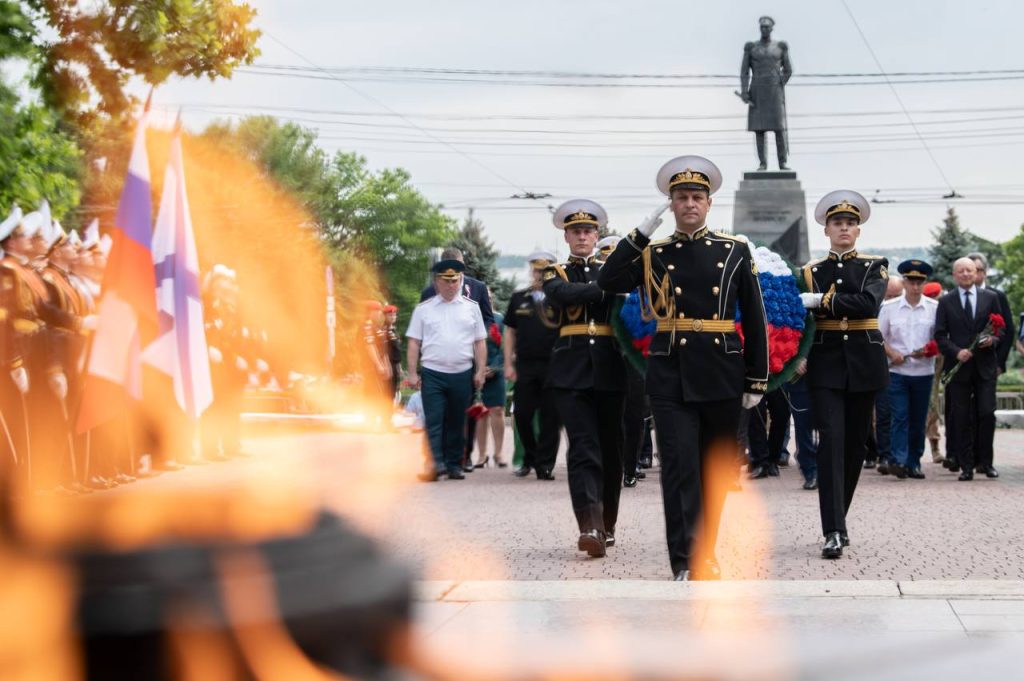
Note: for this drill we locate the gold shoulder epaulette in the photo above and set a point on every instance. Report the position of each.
(555, 270)
(870, 257)
(734, 237)
(662, 242)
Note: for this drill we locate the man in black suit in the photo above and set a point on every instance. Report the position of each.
(971, 393)
(1005, 343)
(474, 289)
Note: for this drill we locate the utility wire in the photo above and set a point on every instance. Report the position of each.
(412, 124)
(878, 63)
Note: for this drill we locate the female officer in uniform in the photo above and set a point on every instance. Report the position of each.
(846, 366)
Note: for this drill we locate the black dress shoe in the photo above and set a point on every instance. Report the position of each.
(899, 471)
(833, 547)
(773, 470)
(629, 481)
(951, 466)
(869, 464)
(990, 472)
(966, 476)
(844, 539)
(641, 475)
(609, 537)
(455, 473)
(758, 472)
(502, 464)
(883, 468)
(916, 473)
(592, 541)
(784, 463)
(522, 471)
(467, 467)
(681, 576)
(811, 483)
(545, 475)
(646, 463)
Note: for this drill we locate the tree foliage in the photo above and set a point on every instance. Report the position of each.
(951, 242)
(37, 160)
(367, 221)
(1010, 264)
(482, 260)
(90, 51)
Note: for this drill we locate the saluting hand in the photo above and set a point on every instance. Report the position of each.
(651, 223)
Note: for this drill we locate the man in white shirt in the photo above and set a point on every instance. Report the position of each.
(447, 336)
(907, 324)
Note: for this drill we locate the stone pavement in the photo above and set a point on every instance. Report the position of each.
(493, 526)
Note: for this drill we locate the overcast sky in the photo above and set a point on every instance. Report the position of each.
(613, 163)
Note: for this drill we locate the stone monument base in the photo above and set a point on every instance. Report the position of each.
(771, 211)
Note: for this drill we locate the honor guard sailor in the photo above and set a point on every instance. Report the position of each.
(587, 373)
(700, 372)
(847, 364)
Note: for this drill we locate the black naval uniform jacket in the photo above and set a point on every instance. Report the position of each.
(535, 325)
(582, 362)
(854, 287)
(706, 278)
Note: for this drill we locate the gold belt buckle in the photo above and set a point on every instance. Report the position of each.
(592, 328)
(698, 324)
(844, 325)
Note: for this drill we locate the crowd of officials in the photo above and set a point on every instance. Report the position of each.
(865, 397)
(50, 283)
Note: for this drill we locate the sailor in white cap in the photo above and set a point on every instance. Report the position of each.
(587, 374)
(847, 364)
(530, 334)
(700, 373)
(606, 245)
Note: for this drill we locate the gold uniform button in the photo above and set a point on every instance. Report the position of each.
(679, 244)
(721, 265)
(671, 267)
(659, 250)
(682, 315)
(814, 269)
(714, 316)
(592, 341)
(678, 290)
(717, 342)
(840, 265)
(707, 243)
(839, 281)
(728, 245)
(586, 269)
(682, 341)
(845, 337)
(715, 290)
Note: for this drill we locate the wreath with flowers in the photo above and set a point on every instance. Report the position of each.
(790, 326)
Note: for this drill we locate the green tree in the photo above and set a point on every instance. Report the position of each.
(951, 242)
(37, 160)
(1011, 266)
(368, 221)
(83, 54)
(482, 260)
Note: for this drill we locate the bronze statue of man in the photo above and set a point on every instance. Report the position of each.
(768, 61)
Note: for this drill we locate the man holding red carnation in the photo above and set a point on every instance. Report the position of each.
(907, 324)
(968, 326)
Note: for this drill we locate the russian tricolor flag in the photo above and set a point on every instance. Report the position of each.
(180, 349)
(127, 310)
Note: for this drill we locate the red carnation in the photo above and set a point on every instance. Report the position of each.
(476, 411)
(997, 323)
(931, 349)
(495, 334)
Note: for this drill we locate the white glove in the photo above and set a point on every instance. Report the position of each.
(241, 364)
(651, 223)
(90, 322)
(59, 385)
(215, 356)
(811, 300)
(262, 366)
(20, 378)
(751, 400)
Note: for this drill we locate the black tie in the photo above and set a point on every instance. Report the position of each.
(967, 306)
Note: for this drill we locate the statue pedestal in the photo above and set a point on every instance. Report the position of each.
(771, 211)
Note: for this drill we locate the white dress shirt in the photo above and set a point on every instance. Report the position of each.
(906, 328)
(446, 331)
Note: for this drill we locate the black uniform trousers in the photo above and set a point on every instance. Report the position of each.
(843, 422)
(697, 444)
(593, 423)
(971, 423)
(531, 399)
(767, 430)
(634, 420)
